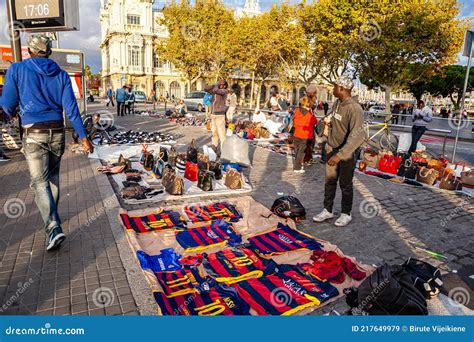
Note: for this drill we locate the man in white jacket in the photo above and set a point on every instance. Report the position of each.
(421, 116)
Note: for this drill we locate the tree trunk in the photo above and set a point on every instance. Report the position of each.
(252, 90)
(388, 92)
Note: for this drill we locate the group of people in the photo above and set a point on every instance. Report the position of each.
(125, 100)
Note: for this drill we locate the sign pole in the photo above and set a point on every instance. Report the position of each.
(15, 40)
(466, 80)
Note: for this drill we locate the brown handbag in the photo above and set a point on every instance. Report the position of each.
(437, 165)
(233, 179)
(203, 161)
(467, 177)
(205, 180)
(172, 183)
(427, 176)
(449, 181)
(372, 158)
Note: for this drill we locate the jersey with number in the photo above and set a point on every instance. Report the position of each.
(284, 293)
(237, 264)
(184, 281)
(217, 299)
(166, 219)
(217, 211)
(218, 233)
(281, 240)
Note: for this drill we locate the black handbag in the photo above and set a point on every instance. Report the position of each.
(192, 154)
(408, 169)
(165, 154)
(216, 168)
(205, 180)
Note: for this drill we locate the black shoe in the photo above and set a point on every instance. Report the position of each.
(55, 238)
(4, 158)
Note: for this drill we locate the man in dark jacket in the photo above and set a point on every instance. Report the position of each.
(121, 98)
(219, 108)
(44, 92)
(344, 134)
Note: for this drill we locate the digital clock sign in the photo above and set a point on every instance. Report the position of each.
(46, 15)
(35, 9)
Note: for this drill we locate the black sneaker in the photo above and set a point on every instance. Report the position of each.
(55, 238)
(4, 158)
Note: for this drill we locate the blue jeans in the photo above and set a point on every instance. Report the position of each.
(43, 153)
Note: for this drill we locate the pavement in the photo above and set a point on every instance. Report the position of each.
(95, 272)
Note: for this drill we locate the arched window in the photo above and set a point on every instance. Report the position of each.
(236, 88)
(160, 88)
(175, 89)
(263, 94)
(247, 92)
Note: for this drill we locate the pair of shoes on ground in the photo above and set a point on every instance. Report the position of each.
(299, 171)
(342, 221)
(55, 238)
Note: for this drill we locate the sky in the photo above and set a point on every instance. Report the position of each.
(88, 38)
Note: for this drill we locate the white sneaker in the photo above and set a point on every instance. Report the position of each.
(299, 171)
(343, 220)
(323, 216)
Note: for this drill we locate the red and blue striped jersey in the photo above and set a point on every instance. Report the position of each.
(180, 282)
(166, 219)
(218, 233)
(284, 293)
(217, 211)
(281, 240)
(220, 299)
(234, 265)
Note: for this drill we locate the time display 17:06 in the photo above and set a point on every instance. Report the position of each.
(36, 9)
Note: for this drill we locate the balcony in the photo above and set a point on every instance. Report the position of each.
(134, 70)
(133, 28)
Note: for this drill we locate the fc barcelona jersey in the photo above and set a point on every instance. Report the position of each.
(180, 282)
(281, 240)
(166, 219)
(217, 211)
(218, 233)
(234, 265)
(284, 293)
(219, 299)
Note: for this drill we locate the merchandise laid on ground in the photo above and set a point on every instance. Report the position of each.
(235, 257)
(132, 137)
(419, 169)
(158, 172)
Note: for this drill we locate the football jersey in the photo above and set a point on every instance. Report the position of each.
(234, 265)
(217, 211)
(180, 282)
(284, 293)
(218, 233)
(219, 299)
(281, 240)
(167, 219)
(167, 260)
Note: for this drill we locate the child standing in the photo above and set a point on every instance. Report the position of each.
(304, 122)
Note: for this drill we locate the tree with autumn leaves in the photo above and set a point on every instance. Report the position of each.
(388, 44)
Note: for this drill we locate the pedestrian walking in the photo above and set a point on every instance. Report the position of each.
(219, 110)
(303, 135)
(121, 97)
(153, 98)
(326, 108)
(110, 96)
(44, 92)
(395, 114)
(130, 100)
(231, 105)
(344, 134)
(421, 116)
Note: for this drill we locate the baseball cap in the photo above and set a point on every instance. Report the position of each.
(40, 44)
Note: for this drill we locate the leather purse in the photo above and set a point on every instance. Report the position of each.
(164, 151)
(181, 162)
(389, 164)
(216, 168)
(133, 192)
(205, 180)
(408, 169)
(191, 171)
(172, 155)
(192, 153)
(233, 179)
(371, 158)
(203, 161)
(449, 181)
(143, 153)
(149, 161)
(427, 176)
(437, 165)
(159, 166)
(467, 177)
(172, 183)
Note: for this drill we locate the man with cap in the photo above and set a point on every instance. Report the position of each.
(344, 134)
(44, 91)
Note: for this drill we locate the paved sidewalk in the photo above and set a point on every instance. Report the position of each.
(389, 221)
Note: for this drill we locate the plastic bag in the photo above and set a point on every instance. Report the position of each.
(235, 150)
(404, 142)
(209, 152)
(272, 126)
(259, 117)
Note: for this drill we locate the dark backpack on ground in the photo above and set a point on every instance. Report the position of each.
(289, 207)
(389, 291)
(426, 278)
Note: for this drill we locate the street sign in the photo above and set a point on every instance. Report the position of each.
(45, 15)
(468, 38)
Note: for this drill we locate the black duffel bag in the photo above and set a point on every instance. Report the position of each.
(388, 291)
(426, 278)
(289, 207)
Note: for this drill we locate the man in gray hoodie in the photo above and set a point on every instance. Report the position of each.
(344, 133)
(219, 109)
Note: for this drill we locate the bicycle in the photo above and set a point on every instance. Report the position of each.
(387, 140)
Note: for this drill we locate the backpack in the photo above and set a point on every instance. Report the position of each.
(389, 291)
(289, 207)
(426, 278)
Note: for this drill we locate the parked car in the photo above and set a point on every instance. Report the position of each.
(139, 96)
(194, 100)
(377, 110)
